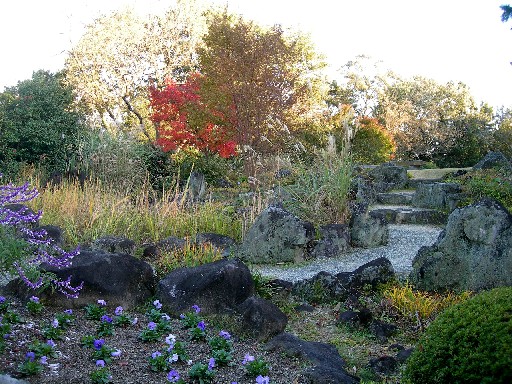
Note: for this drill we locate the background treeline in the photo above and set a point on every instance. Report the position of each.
(142, 99)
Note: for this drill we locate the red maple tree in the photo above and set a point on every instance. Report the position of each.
(182, 120)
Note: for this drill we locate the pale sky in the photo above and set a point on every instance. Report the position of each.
(447, 40)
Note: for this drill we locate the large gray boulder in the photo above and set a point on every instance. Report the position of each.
(388, 176)
(277, 236)
(494, 160)
(442, 196)
(474, 252)
(335, 240)
(366, 229)
(216, 287)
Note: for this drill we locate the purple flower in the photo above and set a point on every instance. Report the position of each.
(262, 380)
(34, 299)
(173, 376)
(30, 356)
(152, 326)
(211, 363)
(157, 304)
(2, 299)
(98, 343)
(196, 308)
(55, 323)
(225, 335)
(166, 317)
(100, 363)
(182, 316)
(118, 311)
(102, 302)
(201, 325)
(134, 321)
(171, 339)
(106, 319)
(68, 311)
(173, 358)
(154, 355)
(44, 360)
(50, 343)
(116, 353)
(247, 359)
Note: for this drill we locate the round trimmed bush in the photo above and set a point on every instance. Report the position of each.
(470, 342)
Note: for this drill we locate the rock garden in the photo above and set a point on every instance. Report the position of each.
(371, 298)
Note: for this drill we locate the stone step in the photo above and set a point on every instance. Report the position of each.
(413, 183)
(396, 197)
(404, 214)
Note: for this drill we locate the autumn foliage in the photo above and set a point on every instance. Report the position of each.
(183, 121)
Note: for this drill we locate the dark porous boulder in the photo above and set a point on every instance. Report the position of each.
(53, 232)
(217, 287)
(114, 244)
(403, 355)
(384, 365)
(382, 330)
(119, 279)
(494, 160)
(335, 240)
(325, 287)
(220, 242)
(328, 366)
(321, 288)
(388, 176)
(442, 196)
(169, 244)
(277, 236)
(373, 273)
(261, 318)
(473, 253)
(367, 230)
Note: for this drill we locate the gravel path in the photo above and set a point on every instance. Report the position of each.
(404, 243)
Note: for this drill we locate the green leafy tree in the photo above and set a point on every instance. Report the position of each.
(37, 124)
(122, 53)
(262, 78)
(372, 144)
(425, 117)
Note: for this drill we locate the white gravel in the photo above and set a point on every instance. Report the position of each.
(404, 243)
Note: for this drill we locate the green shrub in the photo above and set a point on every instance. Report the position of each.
(493, 183)
(470, 342)
(372, 144)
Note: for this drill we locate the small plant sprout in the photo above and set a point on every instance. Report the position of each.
(31, 366)
(199, 332)
(255, 367)
(52, 331)
(121, 319)
(4, 304)
(95, 311)
(204, 373)
(191, 319)
(103, 352)
(66, 318)
(106, 326)
(101, 375)
(34, 306)
(150, 333)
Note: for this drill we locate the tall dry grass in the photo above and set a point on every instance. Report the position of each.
(94, 210)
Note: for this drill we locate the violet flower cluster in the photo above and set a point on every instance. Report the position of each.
(43, 249)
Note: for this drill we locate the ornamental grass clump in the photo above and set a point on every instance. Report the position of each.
(470, 342)
(23, 247)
